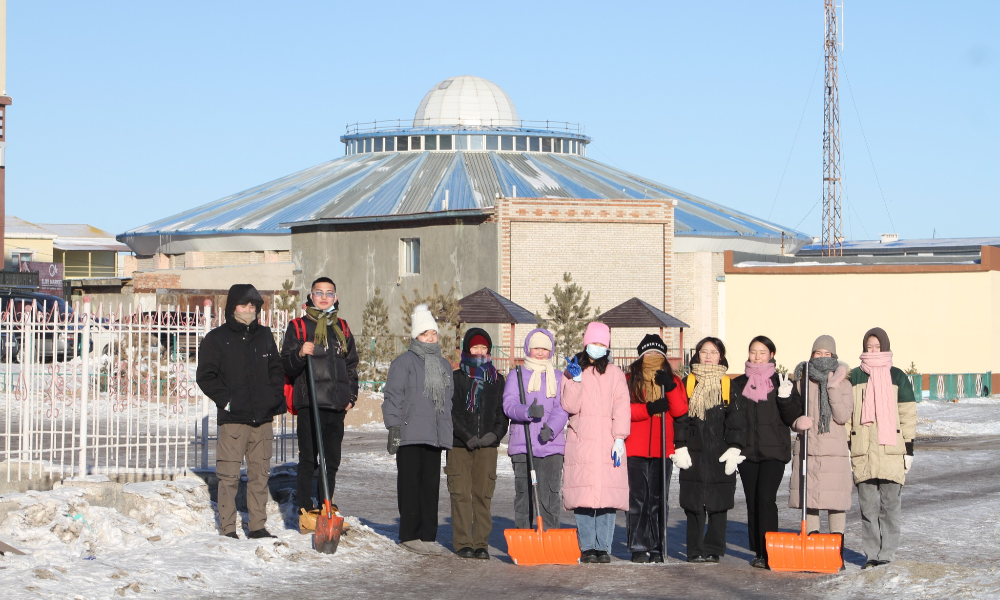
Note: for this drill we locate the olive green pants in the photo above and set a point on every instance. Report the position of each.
(237, 440)
(472, 478)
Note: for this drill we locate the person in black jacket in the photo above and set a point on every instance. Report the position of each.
(768, 442)
(479, 425)
(708, 442)
(329, 341)
(240, 370)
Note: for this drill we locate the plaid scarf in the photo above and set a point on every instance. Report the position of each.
(481, 371)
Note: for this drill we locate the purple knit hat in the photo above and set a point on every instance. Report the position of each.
(597, 333)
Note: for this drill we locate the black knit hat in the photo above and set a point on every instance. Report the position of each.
(653, 343)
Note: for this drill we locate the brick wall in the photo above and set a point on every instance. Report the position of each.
(151, 281)
(696, 293)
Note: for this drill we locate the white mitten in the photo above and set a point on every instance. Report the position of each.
(682, 458)
(907, 463)
(732, 457)
(784, 386)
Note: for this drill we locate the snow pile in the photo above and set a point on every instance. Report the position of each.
(156, 536)
(914, 579)
(968, 417)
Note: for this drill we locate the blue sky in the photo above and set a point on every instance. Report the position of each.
(125, 112)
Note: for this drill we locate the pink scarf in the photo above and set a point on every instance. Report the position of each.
(879, 405)
(759, 383)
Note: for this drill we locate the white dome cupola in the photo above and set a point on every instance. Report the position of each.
(466, 101)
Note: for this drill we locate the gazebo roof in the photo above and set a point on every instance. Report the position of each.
(487, 306)
(636, 313)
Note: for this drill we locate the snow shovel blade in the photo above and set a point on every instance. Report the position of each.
(816, 553)
(329, 526)
(538, 547)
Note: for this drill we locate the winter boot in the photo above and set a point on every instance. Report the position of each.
(640, 557)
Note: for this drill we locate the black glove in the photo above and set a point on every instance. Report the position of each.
(488, 440)
(662, 378)
(473, 443)
(546, 433)
(535, 411)
(657, 407)
(395, 436)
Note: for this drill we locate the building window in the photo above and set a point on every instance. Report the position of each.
(432, 142)
(415, 142)
(410, 255)
(476, 142)
(534, 144)
(445, 142)
(493, 142)
(389, 146)
(461, 142)
(401, 143)
(378, 144)
(507, 142)
(522, 143)
(546, 145)
(16, 258)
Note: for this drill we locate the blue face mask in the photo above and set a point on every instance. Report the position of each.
(595, 352)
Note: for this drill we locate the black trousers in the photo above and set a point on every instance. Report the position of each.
(418, 481)
(332, 424)
(645, 503)
(700, 542)
(761, 481)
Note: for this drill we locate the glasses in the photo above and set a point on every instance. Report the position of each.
(324, 294)
(708, 352)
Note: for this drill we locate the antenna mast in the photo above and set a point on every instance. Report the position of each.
(832, 238)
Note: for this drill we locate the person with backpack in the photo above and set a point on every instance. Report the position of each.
(647, 378)
(709, 442)
(328, 339)
(883, 425)
(768, 442)
(239, 369)
(471, 465)
(546, 421)
(595, 487)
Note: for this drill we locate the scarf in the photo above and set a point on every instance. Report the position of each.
(323, 321)
(759, 383)
(481, 371)
(879, 406)
(708, 388)
(537, 368)
(434, 372)
(819, 371)
(651, 363)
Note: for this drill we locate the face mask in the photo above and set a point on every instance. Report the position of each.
(246, 317)
(595, 352)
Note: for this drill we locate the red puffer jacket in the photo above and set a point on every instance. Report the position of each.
(644, 439)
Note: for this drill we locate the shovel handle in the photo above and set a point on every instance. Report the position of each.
(527, 443)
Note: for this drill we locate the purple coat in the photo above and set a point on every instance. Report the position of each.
(555, 417)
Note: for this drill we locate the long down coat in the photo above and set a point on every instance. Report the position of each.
(599, 413)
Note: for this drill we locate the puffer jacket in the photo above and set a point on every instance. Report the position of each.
(769, 436)
(405, 405)
(490, 417)
(555, 417)
(705, 485)
(829, 471)
(239, 366)
(335, 369)
(870, 459)
(644, 437)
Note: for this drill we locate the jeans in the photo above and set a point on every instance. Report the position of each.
(595, 528)
(880, 512)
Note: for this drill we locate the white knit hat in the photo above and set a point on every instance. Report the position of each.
(422, 320)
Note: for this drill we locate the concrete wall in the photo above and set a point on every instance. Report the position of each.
(944, 322)
(359, 260)
(696, 294)
(263, 276)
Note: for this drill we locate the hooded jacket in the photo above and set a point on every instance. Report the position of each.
(239, 366)
(490, 416)
(334, 368)
(555, 417)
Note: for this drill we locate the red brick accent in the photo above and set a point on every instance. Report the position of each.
(152, 281)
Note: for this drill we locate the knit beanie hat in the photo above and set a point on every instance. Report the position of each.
(826, 342)
(597, 333)
(540, 340)
(476, 337)
(651, 343)
(422, 320)
(880, 335)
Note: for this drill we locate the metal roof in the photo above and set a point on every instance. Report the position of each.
(902, 247)
(25, 230)
(637, 313)
(364, 187)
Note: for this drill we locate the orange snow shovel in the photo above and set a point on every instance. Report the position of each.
(537, 546)
(329, 525)
(816, 553)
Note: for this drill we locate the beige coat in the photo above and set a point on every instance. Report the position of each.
(829, 468)
(869, 459)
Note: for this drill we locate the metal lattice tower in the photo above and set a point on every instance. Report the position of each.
(832, 237)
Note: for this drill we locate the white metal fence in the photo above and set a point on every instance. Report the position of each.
(100, 389)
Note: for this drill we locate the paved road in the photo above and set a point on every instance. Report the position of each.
(937, 497)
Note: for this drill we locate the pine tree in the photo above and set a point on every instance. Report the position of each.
(445, 309)
(286, 301)
(568, 314)
(375, 346)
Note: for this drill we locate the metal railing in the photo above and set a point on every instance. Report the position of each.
(410, 125)
(17, 279)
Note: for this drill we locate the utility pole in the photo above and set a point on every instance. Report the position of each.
(4, 103)
(832, 237)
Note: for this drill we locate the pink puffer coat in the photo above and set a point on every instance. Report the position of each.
(599, 414)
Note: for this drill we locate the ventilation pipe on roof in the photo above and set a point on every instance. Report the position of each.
(514, 192)
(445, 207)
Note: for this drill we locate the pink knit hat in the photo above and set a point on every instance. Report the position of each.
(597, 333)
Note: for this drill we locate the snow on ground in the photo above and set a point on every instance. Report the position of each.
(968, 416)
